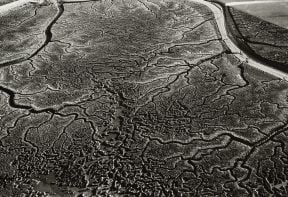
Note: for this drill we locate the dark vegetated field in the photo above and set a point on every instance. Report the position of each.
(273, 12)
(260, 38)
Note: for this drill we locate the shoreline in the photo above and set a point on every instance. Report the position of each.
(240, 54)
(220, 18)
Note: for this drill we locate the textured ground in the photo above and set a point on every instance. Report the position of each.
(134, 98)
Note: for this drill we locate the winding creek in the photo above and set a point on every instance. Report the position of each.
(197, 133)
(220, 19)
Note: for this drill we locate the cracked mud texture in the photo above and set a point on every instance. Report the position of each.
(135, 98)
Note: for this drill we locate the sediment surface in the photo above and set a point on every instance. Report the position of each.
(135, 98)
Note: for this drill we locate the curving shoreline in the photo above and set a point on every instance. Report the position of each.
(220, 19)
(231, 44)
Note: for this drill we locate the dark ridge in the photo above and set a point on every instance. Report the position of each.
(237, 37)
